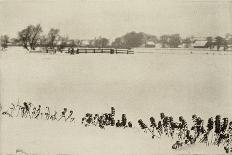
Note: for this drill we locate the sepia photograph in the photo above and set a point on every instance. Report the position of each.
(115, 77)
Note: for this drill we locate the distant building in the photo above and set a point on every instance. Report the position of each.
(58, 43)
(158, 45)
(86, 43)
(70, 43)
(200, 44)
(150, 44)
(10, 43)
(185, 45)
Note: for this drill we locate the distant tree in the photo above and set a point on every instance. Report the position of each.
(187, 41)
(35, 36)
(151, 38)
(225, 44)
(101, 42)
(210, 43)
(104, 42)
(164, 39)
(52, 36)
(4, 41)
(174, 40)
(44, 41)
(97, 43)
(133, 39)
(30, 36)
(24, 37)
(14, 41)
(118, 43)
(220, 42)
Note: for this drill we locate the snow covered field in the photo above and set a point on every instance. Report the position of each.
(140, 85)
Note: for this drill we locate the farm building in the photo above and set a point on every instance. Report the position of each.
(86, 43)
(158, 45)
(200, 44)
(149, 44)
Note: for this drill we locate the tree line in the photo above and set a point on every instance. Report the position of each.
(32, 36)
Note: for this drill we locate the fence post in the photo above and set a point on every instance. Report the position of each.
(111, 51)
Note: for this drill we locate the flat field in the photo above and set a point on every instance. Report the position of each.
(141, 85)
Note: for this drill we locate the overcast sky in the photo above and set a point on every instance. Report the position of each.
(84, 19)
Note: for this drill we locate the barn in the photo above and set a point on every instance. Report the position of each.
(200, 44)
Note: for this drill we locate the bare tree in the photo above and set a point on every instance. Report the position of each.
(4, 41)
(53, 34)
(35, 36)
(30, 36)
(24, 37)
(43, 41)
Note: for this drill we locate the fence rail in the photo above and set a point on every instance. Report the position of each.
(97, 50)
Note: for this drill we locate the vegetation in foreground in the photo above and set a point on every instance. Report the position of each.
(217, 131)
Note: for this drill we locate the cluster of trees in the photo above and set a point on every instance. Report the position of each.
(101, 42)
(4, 40)
(32, 37)
(172, 41)
(29, 37)
(219, 42)
(133, 39)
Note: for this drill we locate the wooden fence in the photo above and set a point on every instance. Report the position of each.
(97, 50)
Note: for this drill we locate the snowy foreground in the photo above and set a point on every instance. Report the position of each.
(41, 137)
(139, 85)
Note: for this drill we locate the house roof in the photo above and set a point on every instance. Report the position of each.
(199, 43)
